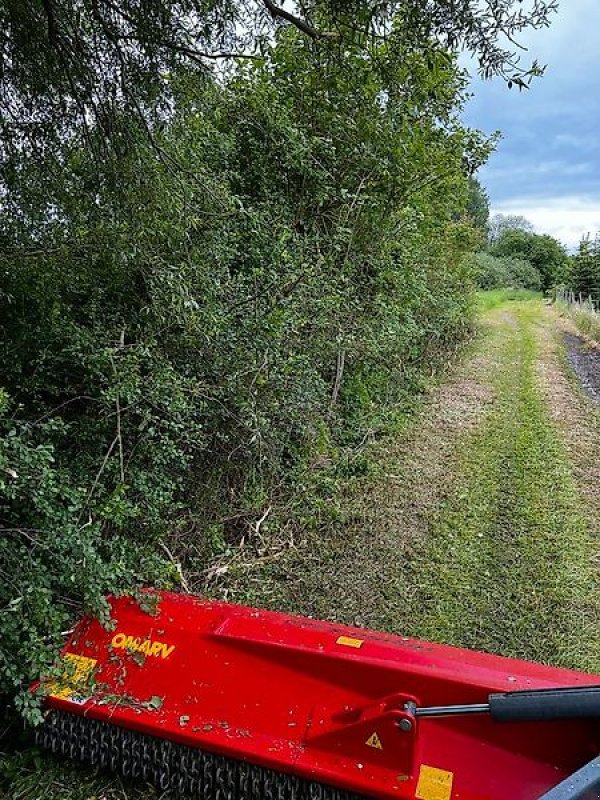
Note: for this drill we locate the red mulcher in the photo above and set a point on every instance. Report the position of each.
(222, 701)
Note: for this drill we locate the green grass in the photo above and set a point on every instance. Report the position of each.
(587, 323)
(506, 567)
(493, 298)
(33, 775)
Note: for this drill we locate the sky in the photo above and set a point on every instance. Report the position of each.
(547, 165)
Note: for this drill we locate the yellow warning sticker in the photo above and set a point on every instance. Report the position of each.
(76, 678)
(434, 784)
(348, 641)
(374, 741)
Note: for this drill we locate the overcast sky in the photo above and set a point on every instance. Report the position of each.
(547, 166)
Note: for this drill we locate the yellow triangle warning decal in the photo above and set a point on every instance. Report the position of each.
(374, 741)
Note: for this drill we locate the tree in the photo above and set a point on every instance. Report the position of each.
(478, 207)
(546, 254)
(79, 64)
(508, 222)
(585, 273)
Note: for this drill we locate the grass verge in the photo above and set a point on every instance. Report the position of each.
(587, 323)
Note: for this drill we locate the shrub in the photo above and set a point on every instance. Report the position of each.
(55, 555)
(545, 253)
(499, 273)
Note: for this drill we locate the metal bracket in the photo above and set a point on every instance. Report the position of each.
(382, 733)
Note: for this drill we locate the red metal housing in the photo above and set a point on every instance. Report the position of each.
(321, 700)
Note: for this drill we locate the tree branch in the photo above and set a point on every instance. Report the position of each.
(51, 19)
(277, 12)
(198, 55)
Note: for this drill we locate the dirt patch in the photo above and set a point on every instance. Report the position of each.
(585, 361)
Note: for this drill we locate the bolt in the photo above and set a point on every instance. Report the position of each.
(405, 725)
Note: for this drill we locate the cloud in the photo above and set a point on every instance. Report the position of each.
(568, 219)
(547, 165)
(576, 140)
(530, 169)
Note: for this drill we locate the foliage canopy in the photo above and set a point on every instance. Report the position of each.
(81, 63)
(500, 223)
(478, 207)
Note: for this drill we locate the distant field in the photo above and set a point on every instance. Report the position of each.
(496, 297)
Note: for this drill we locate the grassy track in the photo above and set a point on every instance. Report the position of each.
(507, 564)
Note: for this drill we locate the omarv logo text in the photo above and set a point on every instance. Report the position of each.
(148, 647)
